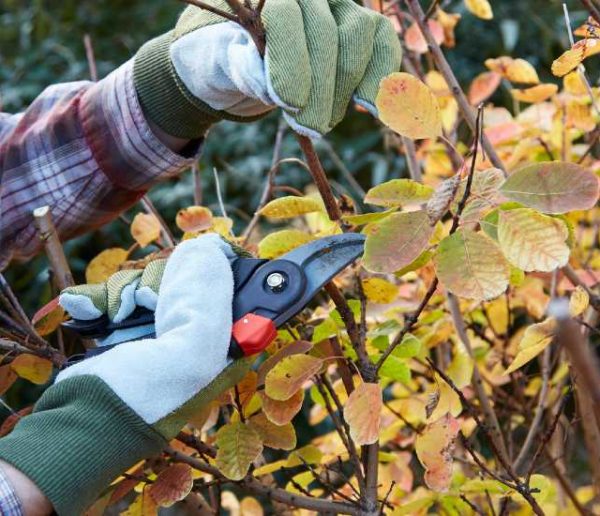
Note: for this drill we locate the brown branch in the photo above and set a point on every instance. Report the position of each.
(466, 109)
(212, 9)
(197, 181)
(592, 9)
(62, 276)
(274, 493)
(414, 170)
(342, 364)
(319, 177)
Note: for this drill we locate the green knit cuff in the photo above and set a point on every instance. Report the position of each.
(79, 438)
(164, 97)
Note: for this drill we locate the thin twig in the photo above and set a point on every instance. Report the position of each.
(89, 54)
(218, 190)
(149, 207)
(197, 180)
(414, 170)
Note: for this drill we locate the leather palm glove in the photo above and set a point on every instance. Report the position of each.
(319, 55)
(107, 412)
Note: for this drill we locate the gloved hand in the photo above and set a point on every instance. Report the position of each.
(108, 412)
(319, 54)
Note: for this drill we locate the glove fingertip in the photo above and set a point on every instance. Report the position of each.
(313, 134)
(79, 306)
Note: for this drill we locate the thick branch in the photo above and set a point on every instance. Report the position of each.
(274, 493)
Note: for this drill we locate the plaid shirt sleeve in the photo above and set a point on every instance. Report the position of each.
(84, 149)
(10, 505)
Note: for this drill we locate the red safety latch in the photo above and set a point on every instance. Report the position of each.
(253, 333)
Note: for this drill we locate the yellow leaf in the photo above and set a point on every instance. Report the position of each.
(573, 57)
(145, 229)
(278, 437)
(522, 72)
(448, 22)
(238, 446)
(537, 93)
(398, 192)
(480, 8)
(471, 265)
(396, 241)
(532, 241)
(172, 484)
(434, 447)
(222, 225)
(534, 341)
(578, 302)
(446, 401)
(460, 369)
(288, 375)
(33, 368)
(513, 70)
(483, 87)
(276, 244)
(363, 413)
(250, 507)
(290, 206)
(143, 505)
(105, 264)
(379, 290)
(282, 412)
(194, 219)
(307, 454)
(573, 84)
(408, 106)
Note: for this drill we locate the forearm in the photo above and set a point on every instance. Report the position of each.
(32, 501)
(87, 151)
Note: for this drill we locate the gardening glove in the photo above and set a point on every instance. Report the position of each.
(107, 412)
(319, 55)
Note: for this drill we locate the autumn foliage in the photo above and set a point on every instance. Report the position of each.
(442, 374)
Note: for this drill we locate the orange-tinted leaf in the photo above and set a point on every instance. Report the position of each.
(363, 413)
(396, 241)
(145, 229)
(194, 218)
(7, 378)
(10, 422)
(553, 187)
(247, 387)
(448, 22)
(434, 448)
(589, 29)
(483, 87)
(513, 70)
(537, 93)
(415, 41)
(48, 318)
(172, 484)
(250, 507)
(105, 264)
(282, 412)
(288, 375)
(278, 437)
(408, 106)
(33, 368)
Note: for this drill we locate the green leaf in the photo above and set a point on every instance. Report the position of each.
(408, 348)
(398, 192)
(471, 265)
(396, 241)
(281, 242)
(421, 260)
(367, 218)
(290, 206)
(395, 369)
(553, 187)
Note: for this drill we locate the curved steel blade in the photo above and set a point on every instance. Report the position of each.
(321, 260)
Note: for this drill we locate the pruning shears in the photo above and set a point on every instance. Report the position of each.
(267, 294)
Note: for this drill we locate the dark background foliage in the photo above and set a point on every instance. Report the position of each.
(41, 43)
